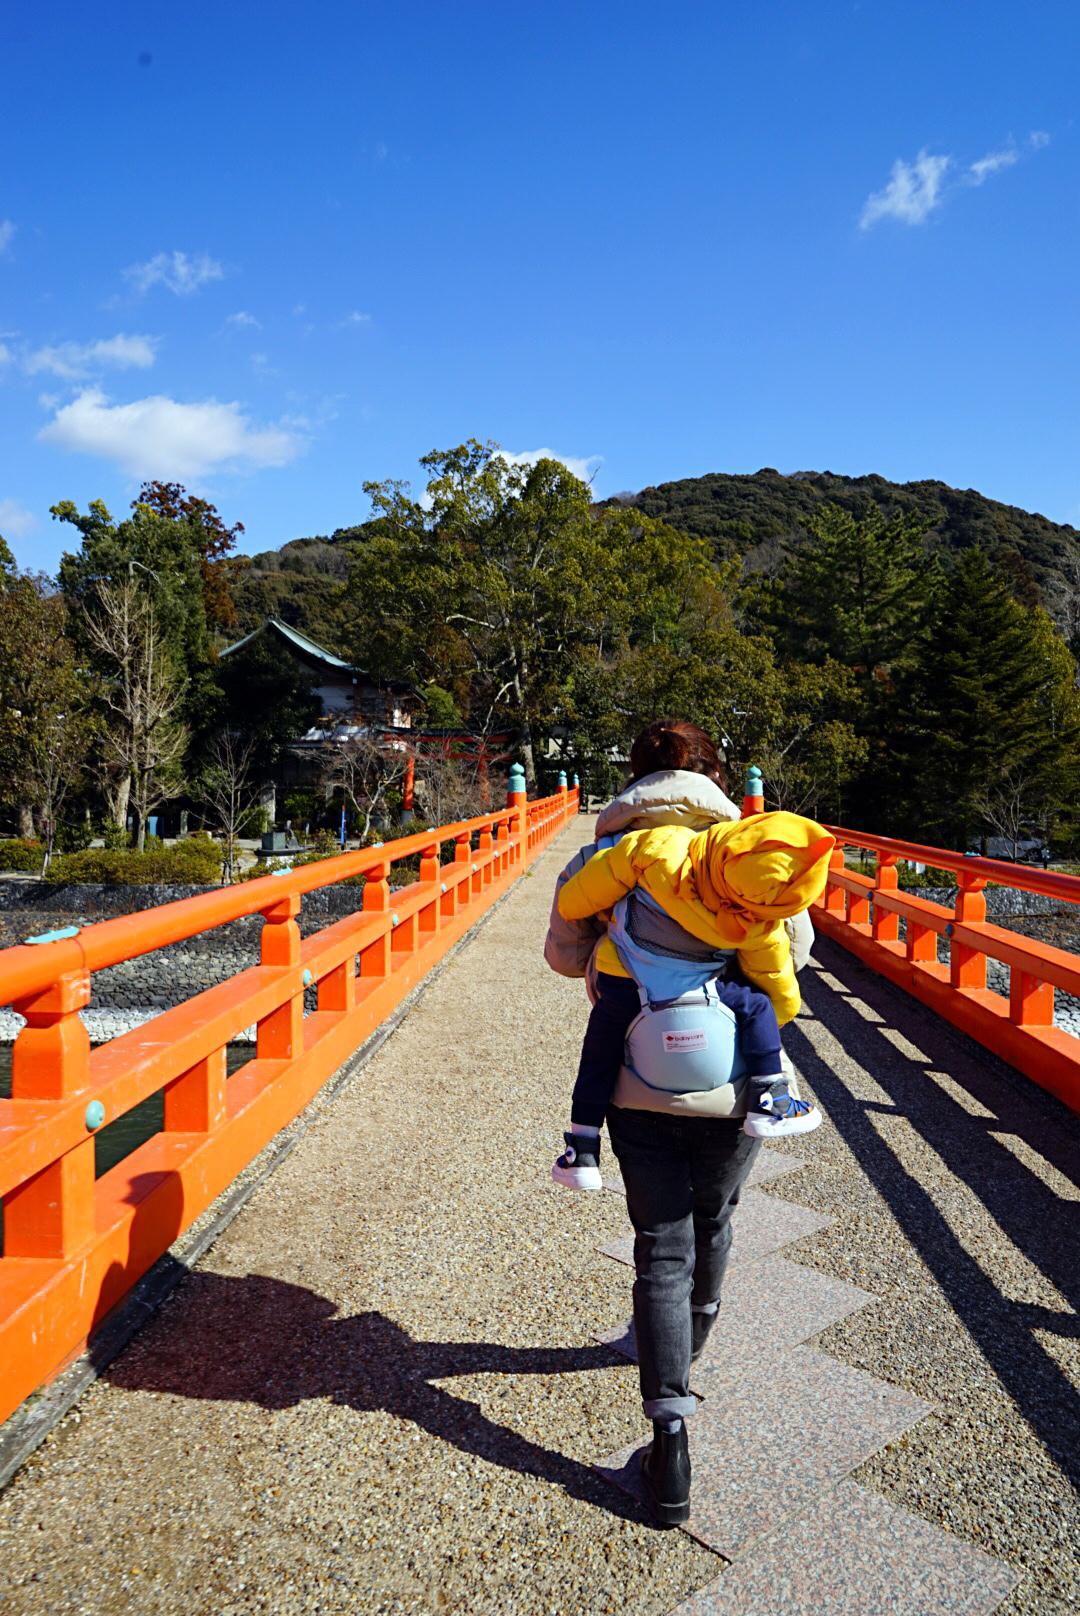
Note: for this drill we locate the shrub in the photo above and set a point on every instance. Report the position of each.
(21, 854)
(195, 862)
(73, 838)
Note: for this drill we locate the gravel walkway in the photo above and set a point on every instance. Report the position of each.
(380, 1391)
(954, 1185)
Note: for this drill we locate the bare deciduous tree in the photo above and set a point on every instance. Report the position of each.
(365, 769)
(1008, 807)
(142, 691)
(455, 788)
(229, 792)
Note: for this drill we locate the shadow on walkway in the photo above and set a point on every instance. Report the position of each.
(1042, 1224)
(264, 1341)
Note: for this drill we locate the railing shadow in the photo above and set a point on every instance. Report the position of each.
(1040, 1223)
(265, 1341)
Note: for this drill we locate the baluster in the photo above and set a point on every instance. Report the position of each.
(1031, 1002)
(967, 965)
(280, 1035)
(52, 1214)
(886, 926)
(858, 908)
(487, 841)
(337, 989)
(375, 957)
(834, 903)
(921, 944)
(429, 875)
(195, 1102)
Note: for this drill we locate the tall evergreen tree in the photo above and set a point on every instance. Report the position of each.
(856, 589)
(989, 678)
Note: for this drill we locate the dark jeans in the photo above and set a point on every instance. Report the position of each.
(683, 1178)
(618, 1002)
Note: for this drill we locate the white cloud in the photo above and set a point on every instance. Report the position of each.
(160, 437)
(583, 467)
(245, 319)
(73, 360)
(355, 318)
(913, 191)
(7, 235)
(181, 274)
(6, 355)
(16, 521)
(992, 163)
(1037, 139)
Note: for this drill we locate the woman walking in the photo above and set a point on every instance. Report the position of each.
(684, 1156)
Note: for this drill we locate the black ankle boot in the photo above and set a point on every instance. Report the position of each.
(665, 1474)
(700, 1325)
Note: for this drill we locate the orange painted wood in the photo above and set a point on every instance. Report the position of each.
(73, 1249)
(195, 1102)
(1020, 1028)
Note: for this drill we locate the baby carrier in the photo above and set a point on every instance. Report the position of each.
(683, 1040)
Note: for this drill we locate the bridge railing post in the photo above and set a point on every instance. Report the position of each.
(885, 926)
(753, 793)
(195, 1102)
(519, 823)
(375, 956)
(280, 1035)
(52, 1213)
(967, 965)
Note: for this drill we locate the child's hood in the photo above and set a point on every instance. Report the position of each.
(771, 865)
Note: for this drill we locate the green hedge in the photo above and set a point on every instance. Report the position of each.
(196, 862)
(21, 855)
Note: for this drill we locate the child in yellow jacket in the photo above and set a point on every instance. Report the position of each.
(731, 887)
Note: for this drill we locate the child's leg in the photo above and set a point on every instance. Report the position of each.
(757, 1031)
(617, 1003)
(771, 1110)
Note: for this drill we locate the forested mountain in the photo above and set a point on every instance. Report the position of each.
(302, 584)
(748, 516)
(742, 515)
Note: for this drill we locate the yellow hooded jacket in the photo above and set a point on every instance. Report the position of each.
(732, 886)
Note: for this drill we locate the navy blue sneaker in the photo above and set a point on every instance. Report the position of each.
(776, 1114)
(579, 1165)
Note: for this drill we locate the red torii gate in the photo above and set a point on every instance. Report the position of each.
(483, 749)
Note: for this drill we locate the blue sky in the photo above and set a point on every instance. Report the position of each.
(273, 251)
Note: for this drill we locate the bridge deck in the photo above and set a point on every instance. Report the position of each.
(384, 1389)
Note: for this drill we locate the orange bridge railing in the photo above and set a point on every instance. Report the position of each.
(74, 1246)
(863, 913)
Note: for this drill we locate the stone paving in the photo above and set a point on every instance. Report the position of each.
(781, 1423)
(388, 1385)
